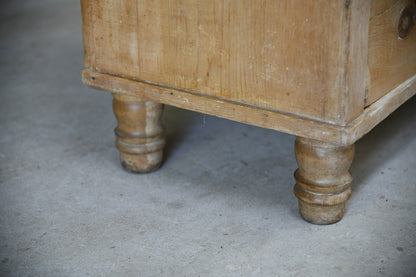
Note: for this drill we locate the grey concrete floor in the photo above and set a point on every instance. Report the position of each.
(221, 205)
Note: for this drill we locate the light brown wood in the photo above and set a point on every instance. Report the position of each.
(380, 6)
(325, 71)
(378, 111)
(284, 122)
(354, 84)
(322, 180)
(391, 60)
(139, 134)
(293, 56)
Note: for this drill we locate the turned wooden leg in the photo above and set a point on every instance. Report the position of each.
(322, 179)
(139, 133)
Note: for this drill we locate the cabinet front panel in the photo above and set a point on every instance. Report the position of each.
(391, 46)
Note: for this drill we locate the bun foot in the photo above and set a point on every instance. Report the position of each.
(139, 133)
(322, 180)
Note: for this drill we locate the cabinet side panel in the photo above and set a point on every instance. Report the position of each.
(281, 55)
(88, 16)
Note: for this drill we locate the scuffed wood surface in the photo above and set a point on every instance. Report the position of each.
(322, 180)
(292, 66)
(379, 110)
(288, 123)
(391, 60)
(140, 136)
(356, 61)
(284, 122)
(380, 6)
(283, 55)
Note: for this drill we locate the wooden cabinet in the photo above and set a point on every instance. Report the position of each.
(325, 71)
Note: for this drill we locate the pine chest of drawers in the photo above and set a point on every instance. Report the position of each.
(325, 71)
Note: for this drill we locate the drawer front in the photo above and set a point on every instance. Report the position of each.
(391, 46)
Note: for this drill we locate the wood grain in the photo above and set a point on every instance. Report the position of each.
(391, 60)
(379, 7)
(284, 122)
(139, 134)
(282, 55)
(379, 110)
(322, 180)
(356, 52)
(325, 71)
(293, 66)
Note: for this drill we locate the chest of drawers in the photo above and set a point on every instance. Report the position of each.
(325, 71)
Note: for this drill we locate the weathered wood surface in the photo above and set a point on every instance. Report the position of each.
(391, 59)
(356, 53)
(139, 134)
(380, 6)
(322, 180)
(224, 108)
(284, 122)
(379, 110)
(325, 71)
(301, 57)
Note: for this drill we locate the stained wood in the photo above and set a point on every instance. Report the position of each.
(391, 60)
(307, 68)
(380, 6)
(139, 134)
(284, 122)
(288, 123)
(322, 179)
(211, 56)
(356, 52)
(289, 56)
(379, 110)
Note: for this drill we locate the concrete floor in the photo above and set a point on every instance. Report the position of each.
(221, 205)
